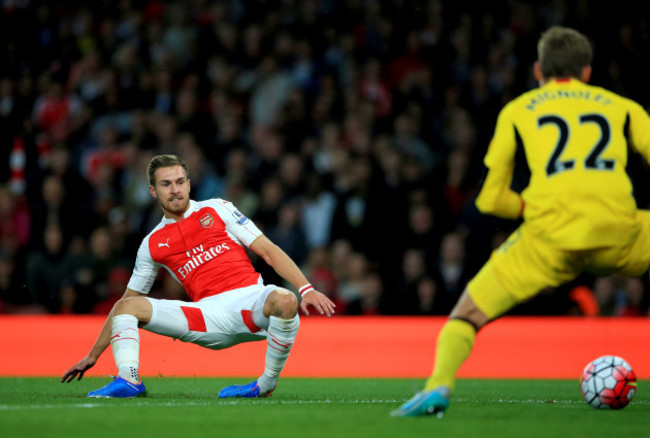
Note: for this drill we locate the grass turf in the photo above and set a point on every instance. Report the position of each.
(175, 407)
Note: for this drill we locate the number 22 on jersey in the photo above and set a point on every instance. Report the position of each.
(592, 160)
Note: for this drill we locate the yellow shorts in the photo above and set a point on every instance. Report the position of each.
(524, 265)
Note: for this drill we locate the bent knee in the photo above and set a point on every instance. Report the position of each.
(282, 303)
(139, 307)
(466, 309)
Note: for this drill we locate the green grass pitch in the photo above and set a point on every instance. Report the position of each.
(332, 408)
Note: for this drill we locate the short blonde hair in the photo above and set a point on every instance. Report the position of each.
(563, 52)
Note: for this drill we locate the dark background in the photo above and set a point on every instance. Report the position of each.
(351, 132)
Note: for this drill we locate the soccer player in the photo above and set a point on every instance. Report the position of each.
(578, 211)
(201, 244)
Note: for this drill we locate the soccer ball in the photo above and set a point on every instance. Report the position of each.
(608, 383)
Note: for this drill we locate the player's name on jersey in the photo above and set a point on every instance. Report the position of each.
(548, 95)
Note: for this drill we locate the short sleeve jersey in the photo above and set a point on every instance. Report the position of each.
(575, 138)
(204, 251)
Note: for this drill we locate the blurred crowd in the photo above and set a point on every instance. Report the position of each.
(351, 132)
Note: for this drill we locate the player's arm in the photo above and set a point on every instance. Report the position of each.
(639, 130)
(496, 196)
(101, 343)
(275, 257)
(248, 234)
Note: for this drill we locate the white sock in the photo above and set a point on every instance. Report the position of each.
(280, 337)
(125, 341)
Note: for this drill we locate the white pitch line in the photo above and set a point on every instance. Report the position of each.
(153, 403)
(175, 404)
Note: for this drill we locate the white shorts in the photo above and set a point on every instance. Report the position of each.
(217, 322)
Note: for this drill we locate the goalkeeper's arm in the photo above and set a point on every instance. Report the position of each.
(496, 196)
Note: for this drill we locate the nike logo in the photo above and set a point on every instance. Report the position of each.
(160, 245)
(132, 385)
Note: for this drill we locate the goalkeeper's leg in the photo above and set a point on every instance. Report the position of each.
(522, 267)
(455, 343)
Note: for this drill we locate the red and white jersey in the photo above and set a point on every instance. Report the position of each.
(204, 251)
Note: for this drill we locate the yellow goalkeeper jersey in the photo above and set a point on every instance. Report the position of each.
(575, 138)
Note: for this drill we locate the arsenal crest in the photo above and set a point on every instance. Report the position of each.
(206, 221)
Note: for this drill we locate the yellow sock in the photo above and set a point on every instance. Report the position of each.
(454, 346)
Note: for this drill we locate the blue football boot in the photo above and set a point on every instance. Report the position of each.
(423, 403)
(119, 388)
(249, 390)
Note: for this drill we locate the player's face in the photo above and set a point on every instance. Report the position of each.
(172, 190)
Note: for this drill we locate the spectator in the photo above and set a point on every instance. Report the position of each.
(15, 218)
(619, 296)
(136, 197)
(78, 191)
(270, 93)
(288, 232)
(405, 298)
(56, 112)
(352, 186)
(192, 119)
(429, 300)
(117, 280)
(95, 269)
(206, 184)
(369, 301)
(237, 187)
(322, 276)
(291, 175)
(105, 155)
(457, 188)
(407, 141)
(451, 267)
(271, 199)
(373, 87)
(50, 273)
(422, 232)
(318, 208)
(351, 283)
(13, 295)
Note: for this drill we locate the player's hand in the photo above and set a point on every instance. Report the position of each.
(319, 301)
(78, 369)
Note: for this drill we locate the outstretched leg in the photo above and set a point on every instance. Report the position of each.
(455, 343)
(522, 267)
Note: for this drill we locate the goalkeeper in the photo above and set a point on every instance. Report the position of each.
(579, 214)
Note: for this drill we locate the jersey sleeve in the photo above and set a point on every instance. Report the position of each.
(496, 197)
(144, 271)
(640, 130)
(236, 223)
